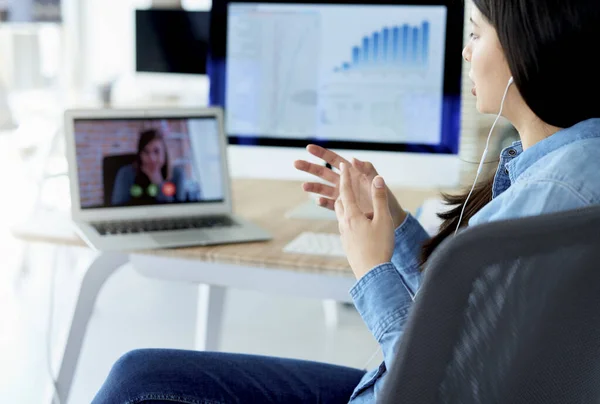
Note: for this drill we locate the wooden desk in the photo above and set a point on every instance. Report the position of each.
(266, 203)
(261, 266)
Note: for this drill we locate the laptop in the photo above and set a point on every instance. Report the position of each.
(147, 179)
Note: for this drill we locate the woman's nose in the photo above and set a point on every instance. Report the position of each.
(466, 54)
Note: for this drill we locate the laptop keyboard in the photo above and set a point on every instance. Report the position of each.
(157, 225)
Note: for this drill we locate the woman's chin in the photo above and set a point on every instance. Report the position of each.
(482, 109)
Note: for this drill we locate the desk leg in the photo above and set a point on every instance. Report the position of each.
(209, 318)
(99, 271)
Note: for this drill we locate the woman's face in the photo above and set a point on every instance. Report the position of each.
(153, 156)
(489, 70)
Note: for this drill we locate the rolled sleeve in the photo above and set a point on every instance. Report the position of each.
(409, 239)
(382, 299)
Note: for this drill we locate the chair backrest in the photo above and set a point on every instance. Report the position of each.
(509, 312)
(110, 167)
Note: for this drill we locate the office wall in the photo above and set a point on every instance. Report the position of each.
(109, 33)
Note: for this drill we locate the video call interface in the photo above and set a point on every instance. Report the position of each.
(145, 162)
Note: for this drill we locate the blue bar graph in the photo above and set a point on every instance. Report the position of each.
(403, 46)
(376, 47)
(395, 43)
(386, 41)
(415, 45)
(404, 52)
(425, 45)
(356, 56)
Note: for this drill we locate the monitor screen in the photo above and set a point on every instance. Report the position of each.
(364, 76)
(27, 11)
(172, 41)
(141, 162)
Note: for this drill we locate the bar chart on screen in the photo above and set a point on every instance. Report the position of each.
(399, 48)
(389, 85)
(382, 78)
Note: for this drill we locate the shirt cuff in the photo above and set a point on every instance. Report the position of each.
(382, 299)
(409, 239)
(410, 234)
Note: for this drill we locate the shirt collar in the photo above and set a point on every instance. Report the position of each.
(587, 129)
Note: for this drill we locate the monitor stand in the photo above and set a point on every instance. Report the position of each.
(399, 169)
(310, 210)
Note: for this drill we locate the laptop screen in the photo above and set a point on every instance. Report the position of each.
(142, 162)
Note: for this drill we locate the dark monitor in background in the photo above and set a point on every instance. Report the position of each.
(171, 41)
(30, 11)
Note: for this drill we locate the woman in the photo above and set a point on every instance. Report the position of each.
(548, 48)
(150, 179)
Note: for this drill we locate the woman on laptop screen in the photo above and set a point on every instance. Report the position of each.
(151, 178)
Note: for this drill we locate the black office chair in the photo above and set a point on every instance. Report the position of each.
(509, 312)
(110, 167)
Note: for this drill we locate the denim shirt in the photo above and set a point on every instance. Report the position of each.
(559, 173)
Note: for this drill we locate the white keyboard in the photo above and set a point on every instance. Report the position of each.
(316, 244)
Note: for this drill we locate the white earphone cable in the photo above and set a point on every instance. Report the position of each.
(479, 169)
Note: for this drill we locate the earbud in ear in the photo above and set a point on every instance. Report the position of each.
(511, 80)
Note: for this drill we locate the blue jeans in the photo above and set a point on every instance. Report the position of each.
(160, 376)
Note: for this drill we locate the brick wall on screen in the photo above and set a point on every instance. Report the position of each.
(96, 140)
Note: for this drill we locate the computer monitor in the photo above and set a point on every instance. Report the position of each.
(171, 41)
(28, 11)
(377, 80)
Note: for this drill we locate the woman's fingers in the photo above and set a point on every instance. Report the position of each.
(321, 189)
(346, 192)
(326, 203)
(317, 170)
(327, 155)
(364, 167)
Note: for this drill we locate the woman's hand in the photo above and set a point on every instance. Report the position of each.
(368, 240)
(155, 176)
(362, 174)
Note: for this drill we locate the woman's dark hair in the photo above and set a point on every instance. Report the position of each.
(146, 137)
(551, 49)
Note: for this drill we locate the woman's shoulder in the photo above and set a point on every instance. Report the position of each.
(575, 166)
(127, 170)
(178, 171)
